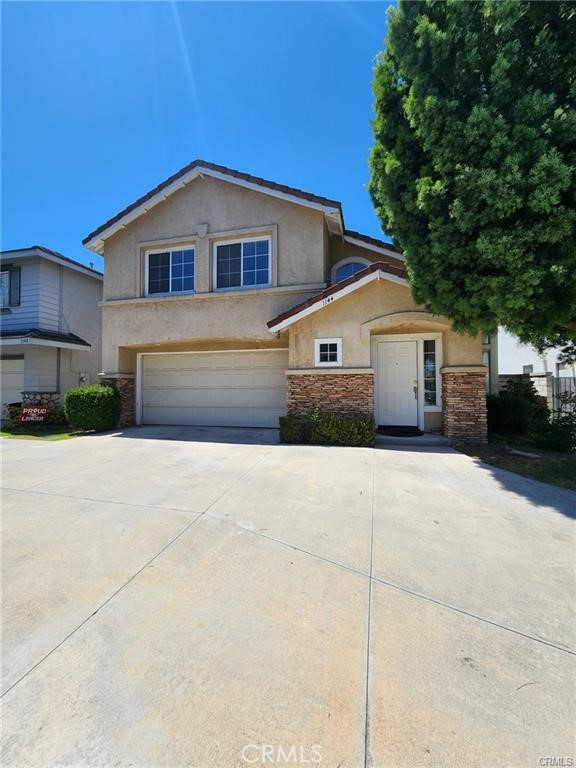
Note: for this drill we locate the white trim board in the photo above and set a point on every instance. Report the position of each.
(321, 303)
(375, 248)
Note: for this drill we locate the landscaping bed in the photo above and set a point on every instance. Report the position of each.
(546, 466)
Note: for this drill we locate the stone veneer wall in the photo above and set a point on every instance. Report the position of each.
(51, 399)
(126, 387)
(339, 392)
(464, 406)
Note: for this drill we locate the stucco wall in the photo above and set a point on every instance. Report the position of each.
(216, 321)
(224, 207)
(344, 319)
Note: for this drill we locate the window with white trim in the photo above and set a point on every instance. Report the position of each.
(4, 288)
(430, 373)
(9, 287)
(328, 352)
(243, 264)
(170, 271)
(348, 267)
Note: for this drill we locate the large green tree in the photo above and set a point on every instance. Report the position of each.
(473, 166)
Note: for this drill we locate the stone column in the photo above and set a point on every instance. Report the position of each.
(464, 403)
(125, 384)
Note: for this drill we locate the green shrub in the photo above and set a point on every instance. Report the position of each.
(327, 428)
(293, 429)
(92, 407)
(338, 429)
(507, 415)
(559, 434)
(516, 410)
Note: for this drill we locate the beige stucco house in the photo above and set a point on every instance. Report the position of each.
(230, 300)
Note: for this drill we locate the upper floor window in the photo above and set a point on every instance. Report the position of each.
(347, 268)
(170, 271)
(244, 264)
(9, 287)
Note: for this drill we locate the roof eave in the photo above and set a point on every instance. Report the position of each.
(95, 242)
(324, 301)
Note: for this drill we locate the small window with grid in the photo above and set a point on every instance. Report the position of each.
(328, 352)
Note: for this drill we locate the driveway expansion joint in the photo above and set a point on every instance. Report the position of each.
(367, 757)
(469, 614)
(134, 575)
(391, 585)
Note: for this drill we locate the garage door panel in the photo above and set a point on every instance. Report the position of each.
(11, 380)
(205, 398)
(211, 360)
(214, 378)
(214, 417)
(215, 389)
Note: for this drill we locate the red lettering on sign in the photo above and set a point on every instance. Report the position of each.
(34, 413)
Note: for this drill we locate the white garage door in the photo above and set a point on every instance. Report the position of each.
(228, 389)
(12, 380)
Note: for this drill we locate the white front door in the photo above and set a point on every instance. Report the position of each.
(397, 383)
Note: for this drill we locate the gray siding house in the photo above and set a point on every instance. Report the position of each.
(50, 325)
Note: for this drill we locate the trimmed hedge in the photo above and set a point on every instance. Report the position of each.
(328, 428)
(516, 410)
(559, 435)
(92, 407)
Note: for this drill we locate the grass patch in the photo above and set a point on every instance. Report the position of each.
(546, 466)
(41, 434)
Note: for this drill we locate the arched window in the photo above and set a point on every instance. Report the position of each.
(348, 267)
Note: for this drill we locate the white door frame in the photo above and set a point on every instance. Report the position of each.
(140, 367)
(419, 338)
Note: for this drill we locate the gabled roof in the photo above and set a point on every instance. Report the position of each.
(380, 270)
(47, 253)
(331, 208)
(373, 243)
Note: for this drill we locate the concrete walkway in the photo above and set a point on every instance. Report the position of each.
(209, 599)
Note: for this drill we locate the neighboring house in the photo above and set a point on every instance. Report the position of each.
(551, 378)
(50, 325)
(230, 300)
(515, 357)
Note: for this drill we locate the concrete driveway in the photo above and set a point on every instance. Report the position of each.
(211, 599)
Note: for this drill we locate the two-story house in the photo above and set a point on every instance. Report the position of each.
(230, 300)
(50, 325)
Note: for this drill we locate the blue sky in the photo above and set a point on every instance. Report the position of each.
(102, 101)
